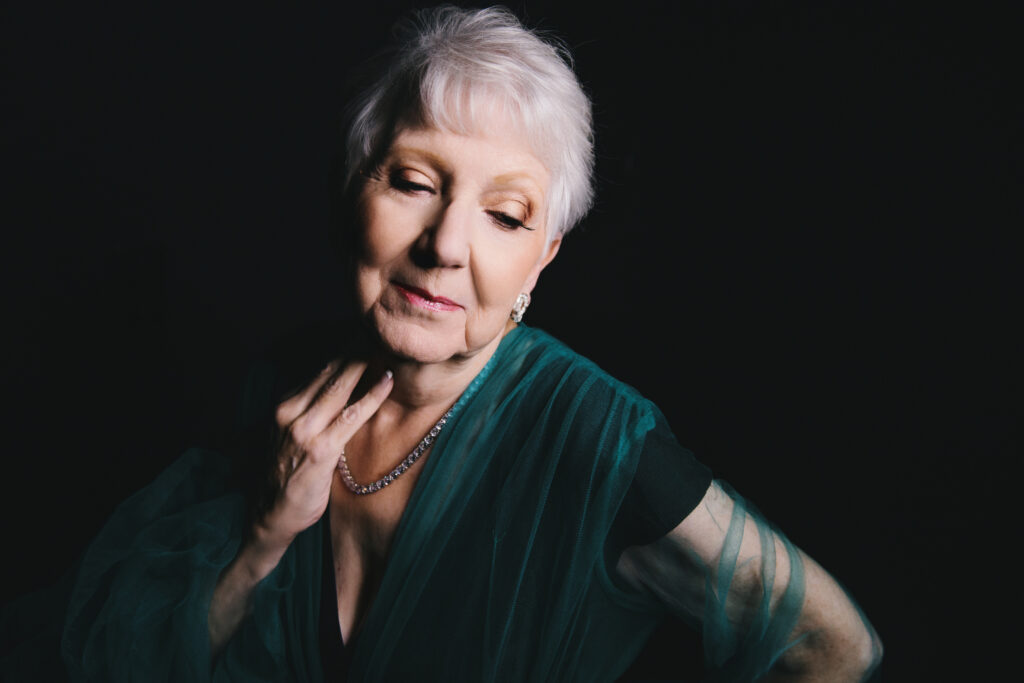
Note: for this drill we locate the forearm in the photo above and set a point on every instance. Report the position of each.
(232, 597)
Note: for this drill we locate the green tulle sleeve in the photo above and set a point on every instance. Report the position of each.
(739, 582)
(138, 608)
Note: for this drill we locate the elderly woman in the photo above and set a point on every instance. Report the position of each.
(457, 496)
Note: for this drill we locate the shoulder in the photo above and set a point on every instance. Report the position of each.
(575, 386)
(537, 350)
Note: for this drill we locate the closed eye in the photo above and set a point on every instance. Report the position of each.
(405, 185)
(506, 221)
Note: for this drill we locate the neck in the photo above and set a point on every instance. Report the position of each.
(428, 387)
(421, 394)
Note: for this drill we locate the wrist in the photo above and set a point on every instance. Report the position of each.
(261, 552)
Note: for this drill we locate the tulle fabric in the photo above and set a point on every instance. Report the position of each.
(500, 569)
(731, 575)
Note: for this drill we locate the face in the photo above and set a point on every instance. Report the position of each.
(452, 231)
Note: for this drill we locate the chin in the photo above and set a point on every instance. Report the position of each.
(424, 341)
(419, 343)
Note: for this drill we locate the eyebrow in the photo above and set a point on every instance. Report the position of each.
(416, 151)
(523, 182)
(514, 178)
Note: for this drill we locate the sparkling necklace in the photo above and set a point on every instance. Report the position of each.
(407, 462)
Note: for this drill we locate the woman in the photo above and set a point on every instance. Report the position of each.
(456, 496)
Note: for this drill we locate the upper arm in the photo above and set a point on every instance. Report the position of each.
(758, 600)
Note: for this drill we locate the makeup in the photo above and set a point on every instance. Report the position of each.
(424, 299)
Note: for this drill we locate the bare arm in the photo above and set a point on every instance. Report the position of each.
(315, 425)
(834, 642)
(766, 605)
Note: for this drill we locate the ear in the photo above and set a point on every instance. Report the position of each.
(549, 254)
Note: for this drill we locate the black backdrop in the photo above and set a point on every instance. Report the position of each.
(801, 251)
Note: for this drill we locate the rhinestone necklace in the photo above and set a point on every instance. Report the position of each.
(407, 462)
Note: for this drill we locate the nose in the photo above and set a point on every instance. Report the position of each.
(445, 239)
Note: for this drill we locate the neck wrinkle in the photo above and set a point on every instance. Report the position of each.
(432, 387)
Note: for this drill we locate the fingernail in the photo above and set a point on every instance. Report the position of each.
(388, 375)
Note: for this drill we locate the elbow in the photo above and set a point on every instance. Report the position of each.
(861, 653)
(858, 652)
(870, 652)
(865, 646)
(831, 654)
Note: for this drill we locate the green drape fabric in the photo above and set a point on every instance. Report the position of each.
(499, 569)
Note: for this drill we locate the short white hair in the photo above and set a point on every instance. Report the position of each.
(449, 66)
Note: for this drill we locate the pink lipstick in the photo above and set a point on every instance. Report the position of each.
(424, 299)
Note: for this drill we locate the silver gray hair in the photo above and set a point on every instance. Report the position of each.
(447, 69)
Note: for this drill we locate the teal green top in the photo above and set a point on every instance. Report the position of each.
(499, 569)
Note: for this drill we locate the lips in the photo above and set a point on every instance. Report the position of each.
(424, 299)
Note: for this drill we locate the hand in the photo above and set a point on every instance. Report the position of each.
(314, 426)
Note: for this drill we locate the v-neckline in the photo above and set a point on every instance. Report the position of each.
(347, 653)
(335, 652)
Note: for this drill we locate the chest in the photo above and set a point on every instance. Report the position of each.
(362, 533)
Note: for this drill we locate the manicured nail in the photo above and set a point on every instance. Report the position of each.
(388, 375)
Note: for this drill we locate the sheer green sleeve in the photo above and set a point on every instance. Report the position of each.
(745, 587)
(733, 577)
(138, 609)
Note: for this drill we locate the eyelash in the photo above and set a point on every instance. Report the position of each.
(502, 219)
(404, 185)
(506, 221)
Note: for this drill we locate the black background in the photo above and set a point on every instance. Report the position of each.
(802, 251)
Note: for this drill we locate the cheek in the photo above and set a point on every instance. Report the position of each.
(381, 238)
(377, 247)
(501, 275)
(368, 286)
